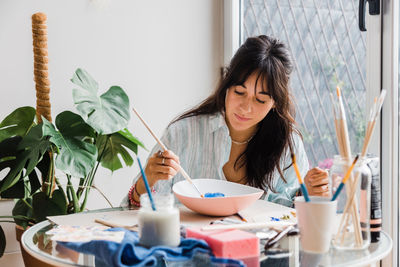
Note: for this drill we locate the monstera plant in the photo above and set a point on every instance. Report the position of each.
(75, 145)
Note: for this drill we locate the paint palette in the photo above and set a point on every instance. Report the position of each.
(236, 196)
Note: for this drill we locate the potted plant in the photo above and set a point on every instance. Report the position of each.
(77, 144)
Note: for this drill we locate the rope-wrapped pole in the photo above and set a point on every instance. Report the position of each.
(42, 84)
(41, 73)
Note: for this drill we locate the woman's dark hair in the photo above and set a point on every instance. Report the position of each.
(270, 60)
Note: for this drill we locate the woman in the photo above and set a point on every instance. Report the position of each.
(244, 132)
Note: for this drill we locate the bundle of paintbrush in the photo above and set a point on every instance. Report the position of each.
(343, 140)
(350, 212)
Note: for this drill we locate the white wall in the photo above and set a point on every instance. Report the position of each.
(165, 54)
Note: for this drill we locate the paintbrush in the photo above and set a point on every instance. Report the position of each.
(247, 225)
(374, 113)
(116, 225)
(302, 186)
(346, 177)
(163, 147)
(345, 151)
(146, 184)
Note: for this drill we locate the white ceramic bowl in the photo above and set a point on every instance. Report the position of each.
(237, 196)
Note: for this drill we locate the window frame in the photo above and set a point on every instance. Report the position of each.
(232, 28)
(389, 129)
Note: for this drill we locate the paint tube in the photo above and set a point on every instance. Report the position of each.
(365, 183)
(376, 199)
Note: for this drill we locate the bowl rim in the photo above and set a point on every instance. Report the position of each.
(256, 190)
(228, 197)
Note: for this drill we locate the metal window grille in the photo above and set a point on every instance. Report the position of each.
(328, 50)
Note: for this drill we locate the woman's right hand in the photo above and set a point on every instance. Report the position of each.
(162, 166)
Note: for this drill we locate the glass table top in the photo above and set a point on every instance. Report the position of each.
(286, 252)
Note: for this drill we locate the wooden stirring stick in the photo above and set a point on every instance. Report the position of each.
(183, 172)
(116, 225)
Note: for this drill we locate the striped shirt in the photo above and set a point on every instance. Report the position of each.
(203, 145)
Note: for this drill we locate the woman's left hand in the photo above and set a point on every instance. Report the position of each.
(317, 182)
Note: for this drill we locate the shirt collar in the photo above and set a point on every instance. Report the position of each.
(217, 121)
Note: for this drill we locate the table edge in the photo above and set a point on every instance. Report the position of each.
(49, 260)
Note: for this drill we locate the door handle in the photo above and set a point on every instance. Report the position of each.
(374, 9)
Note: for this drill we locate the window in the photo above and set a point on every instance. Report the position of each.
(328, 50)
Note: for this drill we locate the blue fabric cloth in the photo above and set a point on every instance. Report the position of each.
(130, 253)
(203, 146)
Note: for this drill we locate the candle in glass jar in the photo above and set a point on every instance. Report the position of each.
(160, 227)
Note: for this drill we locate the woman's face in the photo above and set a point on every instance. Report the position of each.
(246, 107)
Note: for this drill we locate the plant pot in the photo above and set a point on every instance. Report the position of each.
(6, 206)
(29, 260)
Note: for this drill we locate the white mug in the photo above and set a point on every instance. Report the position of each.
(316, 220)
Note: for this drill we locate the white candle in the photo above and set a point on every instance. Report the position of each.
(159, 227)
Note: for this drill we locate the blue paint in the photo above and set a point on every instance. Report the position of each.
(305, 193)
(216, 194)
(338, 191)
(275, 219)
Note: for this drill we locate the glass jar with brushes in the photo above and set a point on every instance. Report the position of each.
(350, 182)
(159, 225)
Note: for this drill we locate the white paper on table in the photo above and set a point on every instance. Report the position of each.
(190, 218)
(262, 211)
(67, 233)
(126, 218)
(122, 217)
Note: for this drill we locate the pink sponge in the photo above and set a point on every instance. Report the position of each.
(234, 244)
(204, 235)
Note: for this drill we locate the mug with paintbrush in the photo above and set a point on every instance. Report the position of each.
(316, 221)
(316, 216)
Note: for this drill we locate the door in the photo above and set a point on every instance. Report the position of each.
(330, 50)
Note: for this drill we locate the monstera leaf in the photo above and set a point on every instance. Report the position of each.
(107, 113)
(33, 145)
(8, 155)
(44, 206)
(75, 157)
(22, 209)
(72, 125)
(23, 154)
(15, 191)
(117, 145)
(15, 187)
(21, 188)
(17, 123)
